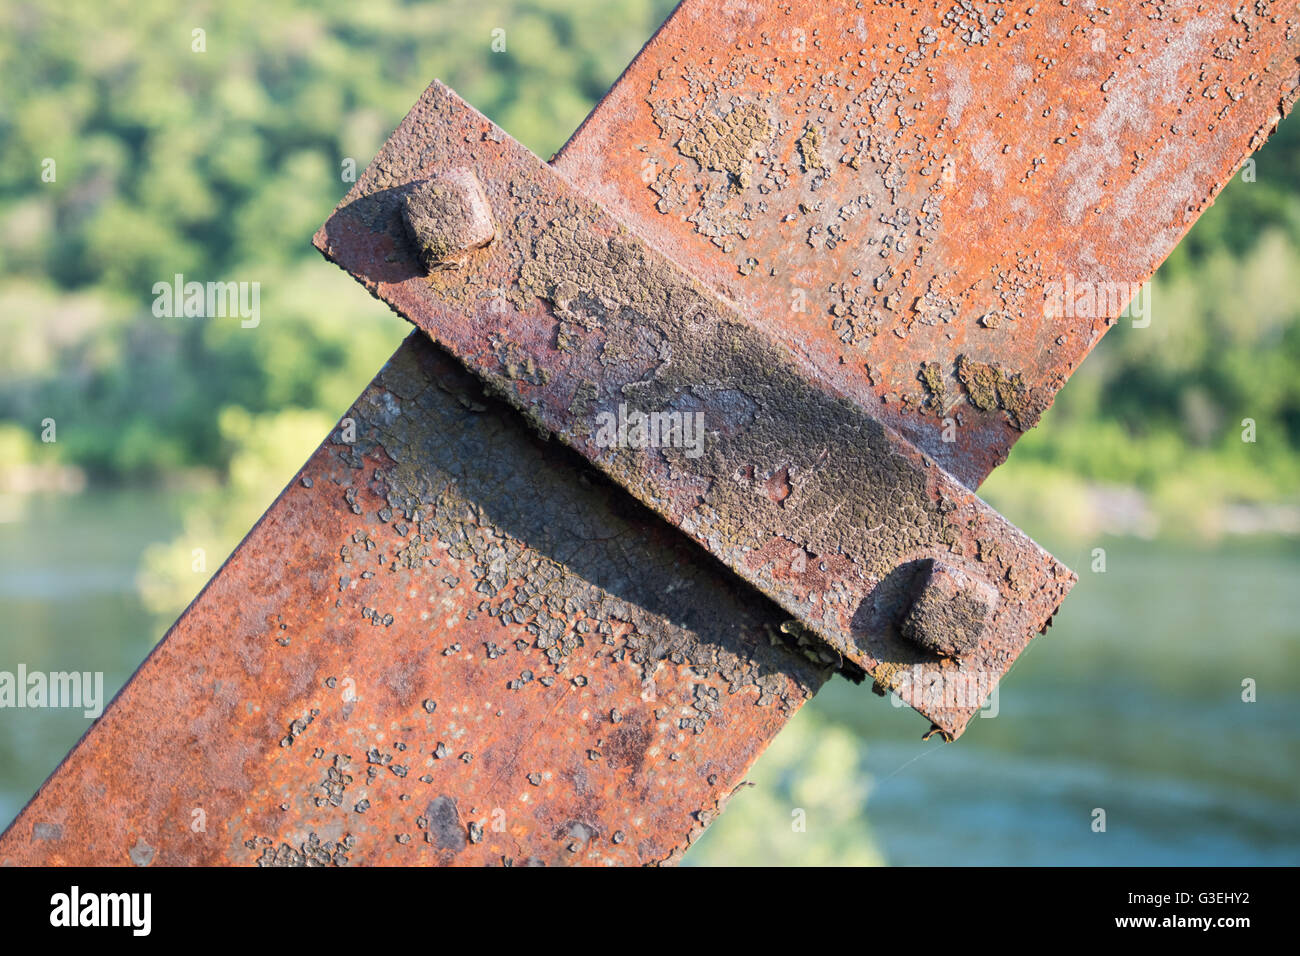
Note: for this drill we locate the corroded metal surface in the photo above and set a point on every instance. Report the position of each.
(447, 218)
(940, 204)
(447, 642)
(950, 610)
(581, 325)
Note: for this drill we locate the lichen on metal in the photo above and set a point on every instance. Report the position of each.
(452, 642)
(447, 217)
(575, 321)
(950, 610)
(941, 206)
(447, 642)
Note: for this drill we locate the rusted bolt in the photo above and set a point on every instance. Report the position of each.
(950, 610)
(448, 217)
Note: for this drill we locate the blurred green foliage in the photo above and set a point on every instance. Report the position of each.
(803, 804)
(219, 164)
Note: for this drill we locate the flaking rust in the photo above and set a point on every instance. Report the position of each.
(446, 643)
(442, 645)
(923, 185)
(571, 317)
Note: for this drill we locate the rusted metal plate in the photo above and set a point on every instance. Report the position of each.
(535, 670)
(939, 204)
(583, 327)
(447, 642)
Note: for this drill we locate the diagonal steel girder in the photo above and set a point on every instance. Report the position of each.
(448, 641)
(954, 199)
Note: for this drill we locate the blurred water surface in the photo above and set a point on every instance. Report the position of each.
(1132, 703)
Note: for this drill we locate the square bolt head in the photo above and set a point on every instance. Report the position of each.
(951, 610)
(448, 217)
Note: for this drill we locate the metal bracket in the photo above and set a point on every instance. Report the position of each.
(601, 341)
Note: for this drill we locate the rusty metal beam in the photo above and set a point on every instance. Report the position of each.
(446, 642)
(449, 617)
(581, 325)
(907, 193)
